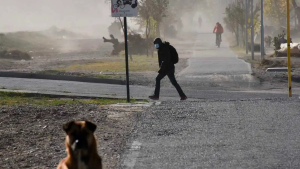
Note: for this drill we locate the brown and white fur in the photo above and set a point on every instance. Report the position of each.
(81, 146)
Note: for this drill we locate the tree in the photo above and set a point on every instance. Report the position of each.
(145, 18)
(235, 17)
(152, 10)
(275, 11)
(159, 11)
(297, 10)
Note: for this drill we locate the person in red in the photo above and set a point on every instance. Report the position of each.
(218, 30)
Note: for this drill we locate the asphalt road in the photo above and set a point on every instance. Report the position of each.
(221, 128)
(262, 133)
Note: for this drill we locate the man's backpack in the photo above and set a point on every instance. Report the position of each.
(174, 55)
(221, 29)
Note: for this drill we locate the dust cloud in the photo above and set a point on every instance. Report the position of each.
(91, 17)
(210, 12)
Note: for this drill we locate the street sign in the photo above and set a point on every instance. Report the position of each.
(124, 8)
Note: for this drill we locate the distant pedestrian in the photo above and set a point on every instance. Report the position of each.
(200, 21)
(167, 57)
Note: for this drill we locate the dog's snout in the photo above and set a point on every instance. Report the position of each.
(80, 144)
(74, 145)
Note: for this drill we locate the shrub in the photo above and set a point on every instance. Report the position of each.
(276, 41)
(15, 54)
(256, 47)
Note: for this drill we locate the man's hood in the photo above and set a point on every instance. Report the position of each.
(157, 41)
(167, 43)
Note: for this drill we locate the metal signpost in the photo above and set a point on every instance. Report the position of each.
(288, 46)
(252, 31)
(125, 8)
(246, 26)
(262, 42)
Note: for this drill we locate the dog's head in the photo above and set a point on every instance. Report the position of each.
(80, 134)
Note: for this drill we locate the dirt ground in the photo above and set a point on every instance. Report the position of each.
(83, 52)
(272, 80)
(32, 137)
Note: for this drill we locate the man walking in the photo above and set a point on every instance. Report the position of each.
(167, 57)
(200, 21)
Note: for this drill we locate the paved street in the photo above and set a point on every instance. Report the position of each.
(217, 134)
(253, 129)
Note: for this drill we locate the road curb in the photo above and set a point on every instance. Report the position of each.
(61, 77)
(66, 95)
(277, 69)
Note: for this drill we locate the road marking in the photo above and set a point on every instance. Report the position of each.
(132, 156)
(137, 104)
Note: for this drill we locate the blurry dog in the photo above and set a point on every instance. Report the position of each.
(81, 146)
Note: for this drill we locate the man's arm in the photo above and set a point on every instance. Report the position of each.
(159, 61)
(215, 28)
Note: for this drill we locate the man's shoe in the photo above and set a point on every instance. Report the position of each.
(183, 98)
(153, 97)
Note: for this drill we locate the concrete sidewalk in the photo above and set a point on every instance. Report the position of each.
(66, 88)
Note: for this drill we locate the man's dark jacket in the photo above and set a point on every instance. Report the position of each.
(165, 57)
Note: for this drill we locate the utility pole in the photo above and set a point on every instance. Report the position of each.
(289, 47)
(262, 43)
(237, 28)
(246, 26)
(252, 31)
(126, 59)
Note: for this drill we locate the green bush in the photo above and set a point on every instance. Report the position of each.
(15, 54)
(256, 47)
(276, 41)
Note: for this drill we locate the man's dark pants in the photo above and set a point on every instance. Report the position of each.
(218, 35)
(171, 75)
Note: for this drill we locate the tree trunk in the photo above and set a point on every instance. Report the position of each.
(147, 35)
(158, 29)
(297, 10)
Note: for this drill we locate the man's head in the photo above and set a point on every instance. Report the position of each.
(157, 42)
(217, 23)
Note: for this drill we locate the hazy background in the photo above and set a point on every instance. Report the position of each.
(85, 16)
(91, 17)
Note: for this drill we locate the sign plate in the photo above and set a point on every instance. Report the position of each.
(124, 8)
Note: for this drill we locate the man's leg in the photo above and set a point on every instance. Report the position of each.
(172, 78)
(159, 77)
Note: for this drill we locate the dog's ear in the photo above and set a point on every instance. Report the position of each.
(67, 127)
(90, 126)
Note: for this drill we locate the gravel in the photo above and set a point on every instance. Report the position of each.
(32, 136)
